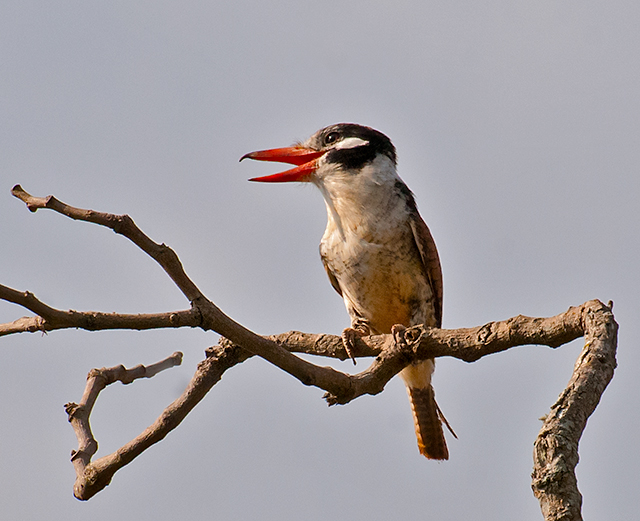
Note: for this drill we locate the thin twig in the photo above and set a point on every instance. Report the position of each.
(123, 225)
(49, 319)
(79, 413)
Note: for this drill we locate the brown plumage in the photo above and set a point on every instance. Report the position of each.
(431, 442)
(377, 251)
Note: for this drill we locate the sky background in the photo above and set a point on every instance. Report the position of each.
(517, 126)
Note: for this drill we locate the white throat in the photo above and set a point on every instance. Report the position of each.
(360, 201)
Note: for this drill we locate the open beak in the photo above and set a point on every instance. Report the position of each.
(305, 158)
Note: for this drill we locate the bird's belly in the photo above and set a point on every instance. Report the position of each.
(382, 285)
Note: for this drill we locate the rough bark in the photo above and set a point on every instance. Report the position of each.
(555, 452)
(87, 480)
(556, 448)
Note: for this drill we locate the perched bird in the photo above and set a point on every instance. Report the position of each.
(376, 249)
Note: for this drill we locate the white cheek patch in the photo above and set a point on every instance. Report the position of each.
(350, 142)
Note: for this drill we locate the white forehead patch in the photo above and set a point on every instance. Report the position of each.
(351, 142)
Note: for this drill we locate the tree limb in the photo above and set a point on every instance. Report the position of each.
(87, 480)
(123, 225)
(555, 452)
(556, 448)
(49, 319)
(466, 344)
(213, 319)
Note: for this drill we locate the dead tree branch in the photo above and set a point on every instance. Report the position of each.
(123, 225)
(212, 318)
(49, 319)
(556, 449)
(92, 477)
(79, 413)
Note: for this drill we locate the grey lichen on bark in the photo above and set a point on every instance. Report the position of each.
(555, 453)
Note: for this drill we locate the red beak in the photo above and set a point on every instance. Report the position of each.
(305, 158)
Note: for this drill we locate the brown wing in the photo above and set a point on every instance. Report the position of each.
(332, 277)
(429, 254)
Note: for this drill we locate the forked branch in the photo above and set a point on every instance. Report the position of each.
(211, 318)
(556, 448)
(78, 413)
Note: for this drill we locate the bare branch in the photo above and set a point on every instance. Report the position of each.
(79, 414)
(123, 225)
(212, 317)
(23, 325)
(466, 344)
(91, 478)
(421, 343)
(49, 318)
(556, 447)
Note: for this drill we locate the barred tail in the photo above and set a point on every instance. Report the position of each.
(426, 416)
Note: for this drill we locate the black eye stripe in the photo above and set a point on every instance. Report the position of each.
(377, 141)
(355, 156)
(352, 157)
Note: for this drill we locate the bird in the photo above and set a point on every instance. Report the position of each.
(377, 250)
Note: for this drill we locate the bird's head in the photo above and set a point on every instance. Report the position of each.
(341, 148)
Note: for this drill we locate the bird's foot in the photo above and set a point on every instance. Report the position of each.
(349, 337)
(397, 330)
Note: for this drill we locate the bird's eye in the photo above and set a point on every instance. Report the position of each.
(331, 137)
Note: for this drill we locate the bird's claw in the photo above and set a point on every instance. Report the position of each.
(331, 399)
(397, 330)
(349, 336)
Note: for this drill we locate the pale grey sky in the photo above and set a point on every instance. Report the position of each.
(517, 126)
